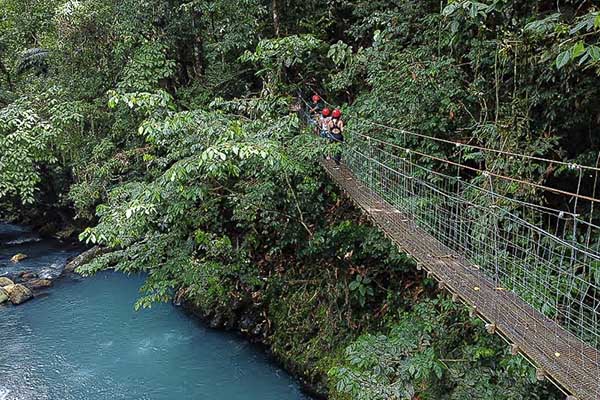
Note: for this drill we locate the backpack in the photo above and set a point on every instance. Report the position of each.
(336, 130)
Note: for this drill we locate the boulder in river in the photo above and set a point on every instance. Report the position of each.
(27, 275)
(18, 257)
(4, 281)
(36, 284)
(3, 296)
(18, 294)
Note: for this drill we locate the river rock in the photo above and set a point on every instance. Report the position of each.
(216, 322)
(4, 281)
(247, 322)
(36, 284)
(85, 257)
(18, 257)
(258, 331)
(3, 296)
(27, 275)
(18, 293)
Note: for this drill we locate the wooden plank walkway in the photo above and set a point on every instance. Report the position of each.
(557, 353)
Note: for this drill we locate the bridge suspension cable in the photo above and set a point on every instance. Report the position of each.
(482, 148)
(484, 172)
(530, 269)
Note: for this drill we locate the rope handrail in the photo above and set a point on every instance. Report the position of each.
(595, 256)
(481, 148)
(550, 211)
(483, 172)
(529, 270)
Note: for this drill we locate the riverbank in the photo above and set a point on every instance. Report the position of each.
(341, 312)
(248, 320)
(56, 260)
(83, 340)
(30, 262)
(309, 313)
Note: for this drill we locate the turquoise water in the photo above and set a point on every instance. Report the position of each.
(45, 257)
(81, 340)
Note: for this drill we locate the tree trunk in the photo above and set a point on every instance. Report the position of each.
(276, 17)
(4, 70)
(198, 47)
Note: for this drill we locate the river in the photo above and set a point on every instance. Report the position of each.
(82, 340)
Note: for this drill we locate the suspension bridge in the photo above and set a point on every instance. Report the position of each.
(529, 268)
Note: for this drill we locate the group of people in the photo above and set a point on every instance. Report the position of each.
(328, 124)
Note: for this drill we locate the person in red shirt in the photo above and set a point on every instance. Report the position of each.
(336, 133)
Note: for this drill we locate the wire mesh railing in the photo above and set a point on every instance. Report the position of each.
(547, 257)
(542, 254)
(541, 261)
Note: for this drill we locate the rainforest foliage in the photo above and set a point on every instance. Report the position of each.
(168, 130)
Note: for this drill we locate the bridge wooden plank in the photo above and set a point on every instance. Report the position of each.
(557, 352)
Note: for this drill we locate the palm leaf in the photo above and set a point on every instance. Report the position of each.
(33, 59)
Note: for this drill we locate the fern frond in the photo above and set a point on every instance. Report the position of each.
(33, 59)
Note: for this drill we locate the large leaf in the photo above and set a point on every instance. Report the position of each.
(577, 50)
(563, 59)
(594, 52)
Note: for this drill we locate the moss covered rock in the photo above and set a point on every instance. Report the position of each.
(18, 257)
(5, 281)
(36, 284)
(3, 297)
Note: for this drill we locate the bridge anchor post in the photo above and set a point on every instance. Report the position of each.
(514, 349)
(540, 374)
(490, 328)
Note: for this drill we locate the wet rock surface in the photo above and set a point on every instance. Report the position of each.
(37, 284)
(3, 296)
(18, 257)
(27, 275)
(5, 281)
(17, 293)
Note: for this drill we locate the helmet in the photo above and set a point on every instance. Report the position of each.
(336, 113)
(316, 98)
(326, 112)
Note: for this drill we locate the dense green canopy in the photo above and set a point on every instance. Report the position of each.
(168, 129)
